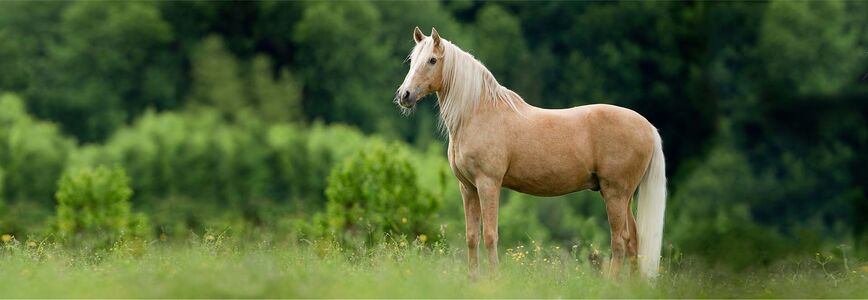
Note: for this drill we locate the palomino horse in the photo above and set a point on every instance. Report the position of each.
(498, 140)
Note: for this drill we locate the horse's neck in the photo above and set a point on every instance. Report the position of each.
(483, 108)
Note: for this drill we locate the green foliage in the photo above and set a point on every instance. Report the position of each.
(277, 99)
(326, 147)
(216, 80)
(106, 63)
(242, 90)
(375, 192)
(94, 203)
(32, 154)
(504, 51)
(343, 62)
(197, 156)
(822, 64)
(2, 202)
(714, 213)
(577, 219)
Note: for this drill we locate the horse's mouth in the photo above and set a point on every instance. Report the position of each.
(407, 103)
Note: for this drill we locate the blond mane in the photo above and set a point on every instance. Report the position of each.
(465, 83)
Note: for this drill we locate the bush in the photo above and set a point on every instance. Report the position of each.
(374, 193)
(196, 156)
(573, 219)
(709, 215)
(34, 151)
(94, 204)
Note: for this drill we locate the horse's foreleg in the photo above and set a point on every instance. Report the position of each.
(471, 220)
(489, 198)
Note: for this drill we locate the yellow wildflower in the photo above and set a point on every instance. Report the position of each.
(404, 220)
(209, 238)
(6, 238)
(423, 238)
(31, 244)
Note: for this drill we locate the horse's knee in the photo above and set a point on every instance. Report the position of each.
(472, 240)
(618, 245)
(490, 239)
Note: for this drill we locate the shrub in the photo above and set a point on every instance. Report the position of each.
(94, 203)
(196, 156)
(709, 214)
(2, 203)
(573, 219)
(375, 192)
(34, 151)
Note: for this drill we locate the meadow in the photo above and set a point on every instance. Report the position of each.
(221, 267)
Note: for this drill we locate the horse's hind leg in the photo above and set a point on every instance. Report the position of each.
(633, 241)
(618, 210)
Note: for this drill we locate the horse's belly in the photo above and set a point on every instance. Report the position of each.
(549, 181)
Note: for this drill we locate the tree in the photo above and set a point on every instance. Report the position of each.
(97, 66)
(343, 63)
(242, 89)
(501, 46)
(277, 99)
(216, 78)
(792, 64)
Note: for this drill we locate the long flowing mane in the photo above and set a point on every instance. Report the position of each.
(466, 82)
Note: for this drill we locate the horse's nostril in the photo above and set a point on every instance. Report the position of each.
(406, 95)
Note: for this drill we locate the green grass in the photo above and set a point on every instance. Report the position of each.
(215, 268)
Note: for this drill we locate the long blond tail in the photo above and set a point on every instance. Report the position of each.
(652, 206)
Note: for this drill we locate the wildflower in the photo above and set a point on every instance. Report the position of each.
(423, 238)
(209, 238)
(404, 220)
(6, 238)
(31, 244)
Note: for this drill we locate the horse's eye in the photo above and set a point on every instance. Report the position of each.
(432, 61)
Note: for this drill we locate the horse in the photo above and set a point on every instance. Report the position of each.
(496, 139)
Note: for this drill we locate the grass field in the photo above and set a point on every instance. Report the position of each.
(214, 268)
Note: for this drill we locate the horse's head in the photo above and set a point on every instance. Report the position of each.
(426, 69)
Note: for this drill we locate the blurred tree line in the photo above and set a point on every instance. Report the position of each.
(761, 105)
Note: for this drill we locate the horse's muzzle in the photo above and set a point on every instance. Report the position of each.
(407, 99)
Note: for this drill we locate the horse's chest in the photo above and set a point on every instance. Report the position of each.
(469, 161)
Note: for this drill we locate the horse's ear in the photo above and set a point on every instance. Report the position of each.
(418, 36)
(436, 37)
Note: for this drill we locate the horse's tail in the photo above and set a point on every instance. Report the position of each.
(652, 205)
